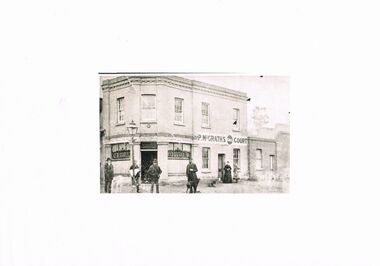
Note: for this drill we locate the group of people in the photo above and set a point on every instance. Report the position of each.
(154, 173)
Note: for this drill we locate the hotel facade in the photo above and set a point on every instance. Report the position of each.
(177, 118)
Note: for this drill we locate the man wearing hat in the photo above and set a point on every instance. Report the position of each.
(191, 173)
(108, 175)
(154, 172)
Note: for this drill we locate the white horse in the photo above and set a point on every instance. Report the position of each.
(117, 183)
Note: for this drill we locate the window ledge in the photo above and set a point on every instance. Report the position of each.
(236, 130)
(120, 124)
(123, 159)
(259, 169)
(175, 158)
(179, 124)
(205, 171)
(207, 127)
(148, 122)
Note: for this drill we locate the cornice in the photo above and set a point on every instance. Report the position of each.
(173, 81)
(261, 139)
(151, 135)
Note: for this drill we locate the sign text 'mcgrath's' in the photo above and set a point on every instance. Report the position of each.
(220, 139)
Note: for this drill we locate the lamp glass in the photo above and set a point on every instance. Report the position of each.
(132, 128)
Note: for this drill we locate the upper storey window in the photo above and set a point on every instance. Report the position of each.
(148, 107)
(120, 110)
(236, 119)
(205, 115)
(178, 110)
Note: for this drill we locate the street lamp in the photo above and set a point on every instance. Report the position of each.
(132, 130)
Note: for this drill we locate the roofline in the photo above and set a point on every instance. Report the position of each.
(182, 82)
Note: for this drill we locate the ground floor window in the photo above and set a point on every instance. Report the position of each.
(237, 157)
(259, 159)
(177, 151)
(206, 158)
(120, 151)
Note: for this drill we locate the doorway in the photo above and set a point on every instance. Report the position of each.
(146, 161)
(220, 165)
(148, 153)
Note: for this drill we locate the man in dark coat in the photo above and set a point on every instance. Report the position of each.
(154, 172)
(108, 175)
(227, 178)
(191, 173)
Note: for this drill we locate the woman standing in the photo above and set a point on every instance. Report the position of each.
(227, 178)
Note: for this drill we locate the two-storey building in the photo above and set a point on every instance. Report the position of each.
(176, 118)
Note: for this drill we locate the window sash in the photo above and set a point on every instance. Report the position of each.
(177, 147)
(120, 151)
(179, 151)
(205, 158)
(186, 147)
(205, 114)
(178, 110)
(236, 157)
(120, 110)
(236, 117)
(148, 107)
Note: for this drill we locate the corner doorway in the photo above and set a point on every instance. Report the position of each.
(148, 153)
(146, 161)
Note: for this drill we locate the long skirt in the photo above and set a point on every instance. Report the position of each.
(227, 178)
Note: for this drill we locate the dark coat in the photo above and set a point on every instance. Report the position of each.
(227, 178)
(108, 172)
(191, 172)
(154, 172)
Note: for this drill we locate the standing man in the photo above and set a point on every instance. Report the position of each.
(108, 175)
(136, 179)
(154, 172)
(191, 173)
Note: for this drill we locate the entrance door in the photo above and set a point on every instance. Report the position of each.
(146, 161)
(220, 165)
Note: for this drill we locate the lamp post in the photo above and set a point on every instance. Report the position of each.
(132, 130)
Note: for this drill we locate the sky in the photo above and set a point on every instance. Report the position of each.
(271, 92)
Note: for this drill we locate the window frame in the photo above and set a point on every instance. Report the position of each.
(172, 150)
(208, 158)
(237, 126)
(120, 111)
(238, 157)
(144, 119)
(182, 101)
(118, 151)
(259, 159)
(208, 115)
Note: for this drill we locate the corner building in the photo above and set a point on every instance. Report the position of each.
(176, 118)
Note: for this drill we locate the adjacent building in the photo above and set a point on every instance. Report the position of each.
(268, 151)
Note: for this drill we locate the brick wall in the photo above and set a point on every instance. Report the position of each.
(268, 147)
(283, 154)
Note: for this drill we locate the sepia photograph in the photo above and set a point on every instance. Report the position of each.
(238, 121)
(194, 133)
